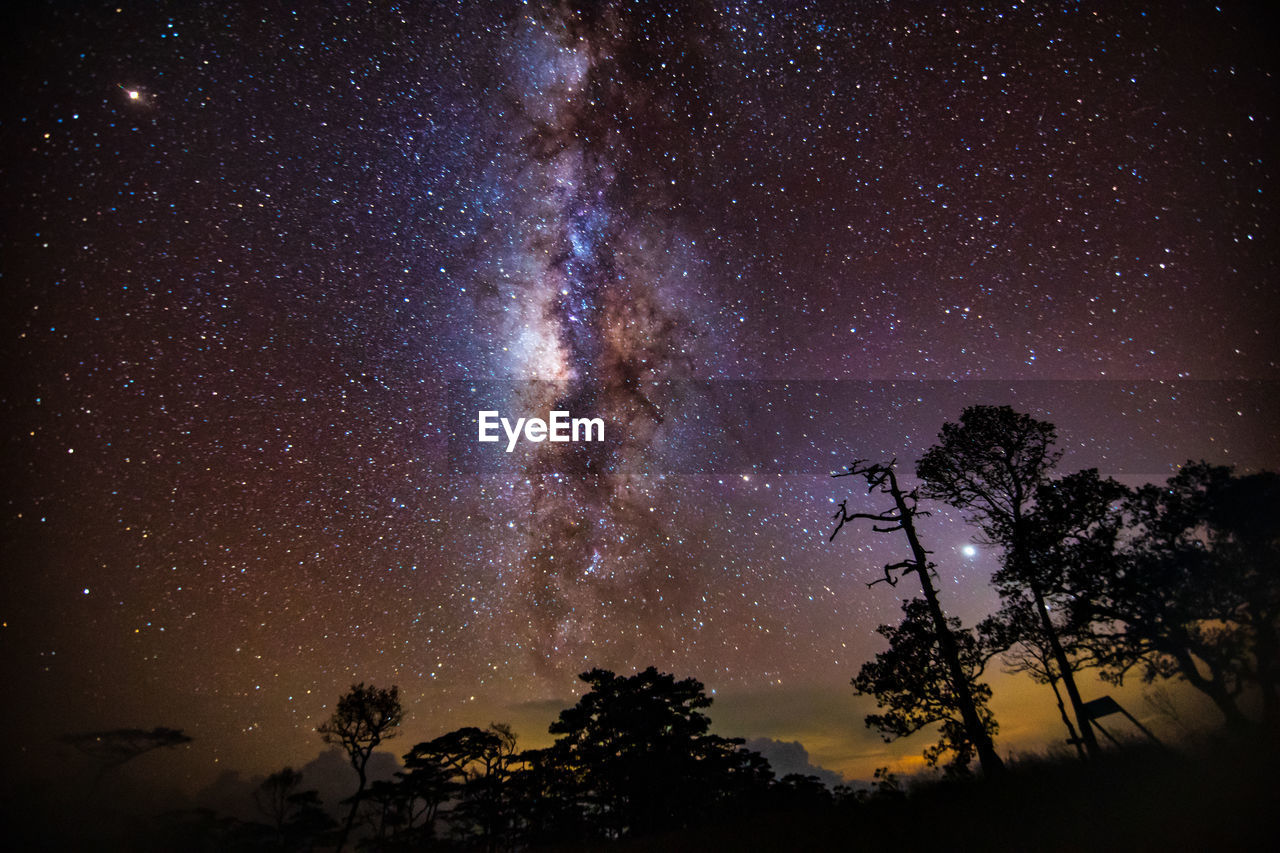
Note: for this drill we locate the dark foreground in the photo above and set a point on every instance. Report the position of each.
(1220, 795)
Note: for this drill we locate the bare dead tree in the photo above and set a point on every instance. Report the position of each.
(882, 479)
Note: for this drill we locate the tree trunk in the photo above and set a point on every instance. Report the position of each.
(992, 766)
(1018, 555)
(1073, 737)
(1236, 720)
(1214, 689)
(1089, 739)
(351, 815)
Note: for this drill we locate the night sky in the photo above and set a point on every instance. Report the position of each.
(262, 266)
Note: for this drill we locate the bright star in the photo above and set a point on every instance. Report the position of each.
(969, 551)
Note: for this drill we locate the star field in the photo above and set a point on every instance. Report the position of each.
(261, 267)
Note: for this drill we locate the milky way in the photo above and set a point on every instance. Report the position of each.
(583, 282)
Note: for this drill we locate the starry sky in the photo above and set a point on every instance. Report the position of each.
(262, 264)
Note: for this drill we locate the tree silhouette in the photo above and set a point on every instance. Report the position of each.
(471, 765)
(296, 818)
(1242, 516)
(1071, 528)
(272, 798)
(799, 791)
(425, 786)
(545, 793)
(913, 685)
(110, 749)
(883, 479)
(1193, 591)
(1016, 631)
(638, 751)
(364, 718)
(386, 810)
(990, 465)
(308, 824)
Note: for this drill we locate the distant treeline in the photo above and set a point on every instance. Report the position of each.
(632, 759)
